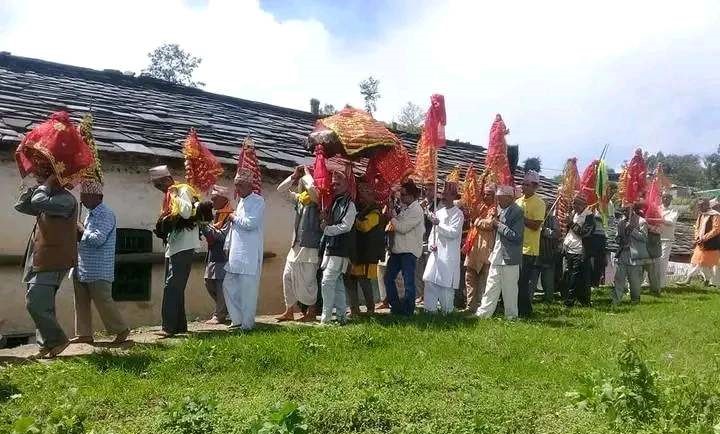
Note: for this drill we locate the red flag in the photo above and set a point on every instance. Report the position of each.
(654, 195)
(635, 179)
(435, 121)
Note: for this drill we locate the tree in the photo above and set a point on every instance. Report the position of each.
(532, 163)
(685, 170)
(370, 91)
(712, 169)
(411, 118)
(171, 63)
(328, 110)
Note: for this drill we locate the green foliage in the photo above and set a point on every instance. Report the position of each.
(284, 418)
(190, 416)
(171, 63)
(370, 90)
(699, 171)
(532, 163)
(410, 118)
(636, 401)
(63, 418)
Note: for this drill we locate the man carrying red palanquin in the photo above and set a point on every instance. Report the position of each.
(58, 157)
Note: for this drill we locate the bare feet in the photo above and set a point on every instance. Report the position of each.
(288, 315)
(214, 321)
(310, 315)
(162, 334)
(82, 340)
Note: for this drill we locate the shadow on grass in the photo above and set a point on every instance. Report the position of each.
(135, 363)
(690, 289)
(260, 328)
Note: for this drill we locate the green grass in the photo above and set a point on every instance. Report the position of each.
(421, 375)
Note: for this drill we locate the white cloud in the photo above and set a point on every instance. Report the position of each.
(568, 76)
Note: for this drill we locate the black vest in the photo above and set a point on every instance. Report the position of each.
(370, 246)
(339, 245)
(307, 231)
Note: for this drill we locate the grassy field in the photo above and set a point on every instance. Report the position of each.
(421, 375)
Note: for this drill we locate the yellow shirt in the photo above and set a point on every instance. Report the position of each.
(534, 209)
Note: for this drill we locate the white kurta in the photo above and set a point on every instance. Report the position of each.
(244, 244)
(443, 265)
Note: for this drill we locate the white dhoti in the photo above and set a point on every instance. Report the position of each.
(435, 294)
(241, 294)
(300, 283)
(662, 264)
(501, 279)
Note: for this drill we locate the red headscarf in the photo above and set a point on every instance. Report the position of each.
(58, 144)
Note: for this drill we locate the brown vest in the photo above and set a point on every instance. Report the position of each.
(55, 243)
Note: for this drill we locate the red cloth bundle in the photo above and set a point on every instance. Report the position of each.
(635, 179)
(56, 144)
(654, 195)
(566, 193)
(587, 183)
(202, 169)
(471, 194)
(425, 160)
(321, 178)
(497, 167)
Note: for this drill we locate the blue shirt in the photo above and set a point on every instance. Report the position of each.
(96, 251)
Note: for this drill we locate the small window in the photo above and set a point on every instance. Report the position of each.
(132, 279)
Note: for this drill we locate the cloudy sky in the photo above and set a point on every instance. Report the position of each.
(568, 76)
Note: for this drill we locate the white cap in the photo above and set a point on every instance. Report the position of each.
(505, 190)
(158, 172)
(219, 190)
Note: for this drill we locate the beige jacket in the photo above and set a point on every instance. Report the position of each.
(409, 230)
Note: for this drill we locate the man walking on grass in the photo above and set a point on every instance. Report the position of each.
(534, 212)
(95, 272)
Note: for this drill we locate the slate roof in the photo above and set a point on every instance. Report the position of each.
(149, 117)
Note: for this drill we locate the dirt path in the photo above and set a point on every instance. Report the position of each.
(142, 335)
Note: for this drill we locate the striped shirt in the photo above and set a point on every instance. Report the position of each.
(96, 251)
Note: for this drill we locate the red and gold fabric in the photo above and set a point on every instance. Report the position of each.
(248, 162)
(202, 169)
(497, 167)
(471, 194)
(425, 161)
(568, 189)
(588, 182)
(223, 215)
(56, 144)
(357, 131)
(393, 165)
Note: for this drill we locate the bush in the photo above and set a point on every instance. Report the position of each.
(284, 418)
(189, 416)
(634, 400)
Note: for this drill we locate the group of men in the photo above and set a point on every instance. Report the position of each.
(351, 247)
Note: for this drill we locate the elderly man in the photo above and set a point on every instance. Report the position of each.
(179, 231)
(549, 255)
(477, 261)
(442, 273)
(301, 265)
(632, 256)
(407, 247)
(95, 272)
(52, 251)
(244, 245)
(534, 212)
(505, 258)
(575, 245)
(707, 242)
(337, 244)
(215, 234)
